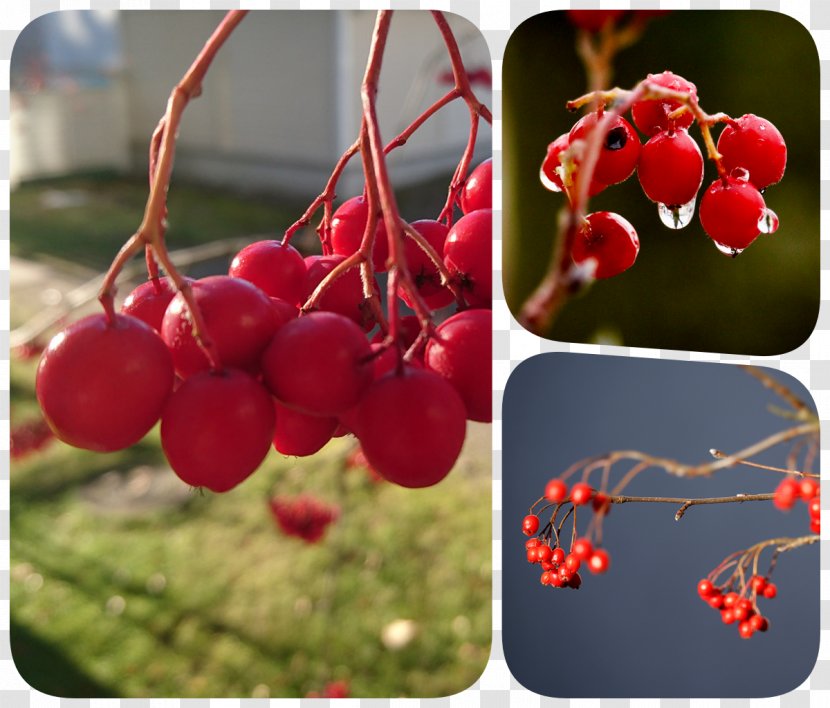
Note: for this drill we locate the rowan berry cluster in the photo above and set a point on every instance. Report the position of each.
(561, 569)
(305, 517)
(287, 351)
(750, 156)
(740, 608)
(791, 490)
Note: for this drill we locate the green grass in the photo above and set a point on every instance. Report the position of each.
(244, 609)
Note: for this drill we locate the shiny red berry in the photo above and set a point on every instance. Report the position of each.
(671, 168)
(730, 599)
(549, 174)
(715, 601)
(300, 434)
(755, 145)
(422, 269)
(348, 224)
(759, 623)
(556, 491)
(601, 504)
(809, 488)
(468, 256)
(344, 295)
(572, 562)
(530, 525)
(583, 549)
(532, 543)
(731, 213)
(620, 148)
(705, 588)
(543, 553)
(275, 268)
(787, 493)
(652, 115)
(745, 629)
(557, 556)
(478, 189)
(770, 591)
(581, 493)
(599, 561)
(758, 583)
(149, 301)
(609, 240)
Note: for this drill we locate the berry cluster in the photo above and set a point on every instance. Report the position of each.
(287, 351)
(790, 490)
(750, 156)
(305, 517)
(740, 608)
(561, 569)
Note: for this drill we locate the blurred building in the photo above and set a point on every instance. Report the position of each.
(280, 103)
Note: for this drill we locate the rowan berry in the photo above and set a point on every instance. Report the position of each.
(670, 169)
(582, 549)
(530, 524)
(599, 561)
(731, 213)
(609, 240)
(786, 494)
(755, 145)
(620, 147)
(581, 493)
(652, 115)
(556, 491)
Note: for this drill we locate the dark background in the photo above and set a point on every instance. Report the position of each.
(681, 293)
(640, 630)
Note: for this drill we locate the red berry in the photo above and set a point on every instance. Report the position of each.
(608, 239)
(461, 352)
(283, 310)
(808, 488)
(545, 577)
(731, 212)
(530, 525)
(814, 508)
(478, 189)
(547, 565)
(745, 629)
(705, 588)
(318, 363)
(275, 268)
(730, 599)
(727, 615)
(468, 255)
(576, 581)
(581, 493)
(594, 20)
(755, 145)
(543, 553)
(572, 562)
(548, 174)
(217, 428)
(102, 386)
(582, 549)
(759, 623)
(556, 580)
(670, 169)
(770, 591)
(815, 525)
(786, 494)
(239, 319)
(556, 491)
(348, 224)
(343, 296)
(565, 574)
(422, 269)
(715, 601)
(411, 427)
(758, 583)
(300, 434)
(599, 561)
(601, 504)
(651, 116)
(531, 555)
(532, 543)
(149, 301)
(557, 556)
(620, 148)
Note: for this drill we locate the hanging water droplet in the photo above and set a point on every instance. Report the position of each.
(728, 250)
(547, 182)
(740, 174)
(676, 217)
(768, 223)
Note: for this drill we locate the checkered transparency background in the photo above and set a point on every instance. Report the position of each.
(496, 18)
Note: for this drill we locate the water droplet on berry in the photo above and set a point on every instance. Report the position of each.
(768, 223)
(740, 174)
(548, 183)
(728, 250)
(676, 217)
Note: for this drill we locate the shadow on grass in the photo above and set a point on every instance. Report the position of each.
(48, 670)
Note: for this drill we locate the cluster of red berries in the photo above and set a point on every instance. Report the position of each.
(791, 490)
(561, 570)
(735, 608)
(669, 166)
(282, 376)
(29, 437)
(304, 517)
(581, 493)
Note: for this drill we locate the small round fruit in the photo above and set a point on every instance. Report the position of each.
(461, 353)
(423, 271)
(557, 556)
(705, 588)
(651, 116)
(275, 268)
(583, 549)
(730, 212)
(787, 493)
(671, 168)
(101, 385)
(620, 148)
(609, 240)
(581, 493)
(300, 434)
(149, 301)
(556, 491)
(348, 225)
(478, 189)
(216, 429)
(318, 363)
(755, 145)
(343, 296)
(599, 562)
(548, 174)
(468, 255)
(411, 427)
(238, 317)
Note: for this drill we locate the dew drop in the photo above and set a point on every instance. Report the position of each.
(676, 217)
(547, 182)
(728, 250)
(768, 223)
(739, 173)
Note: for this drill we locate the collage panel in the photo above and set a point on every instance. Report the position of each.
(694, 224)
(660, 529)
(249, 460)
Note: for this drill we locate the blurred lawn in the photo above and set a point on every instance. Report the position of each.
(242, 609)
